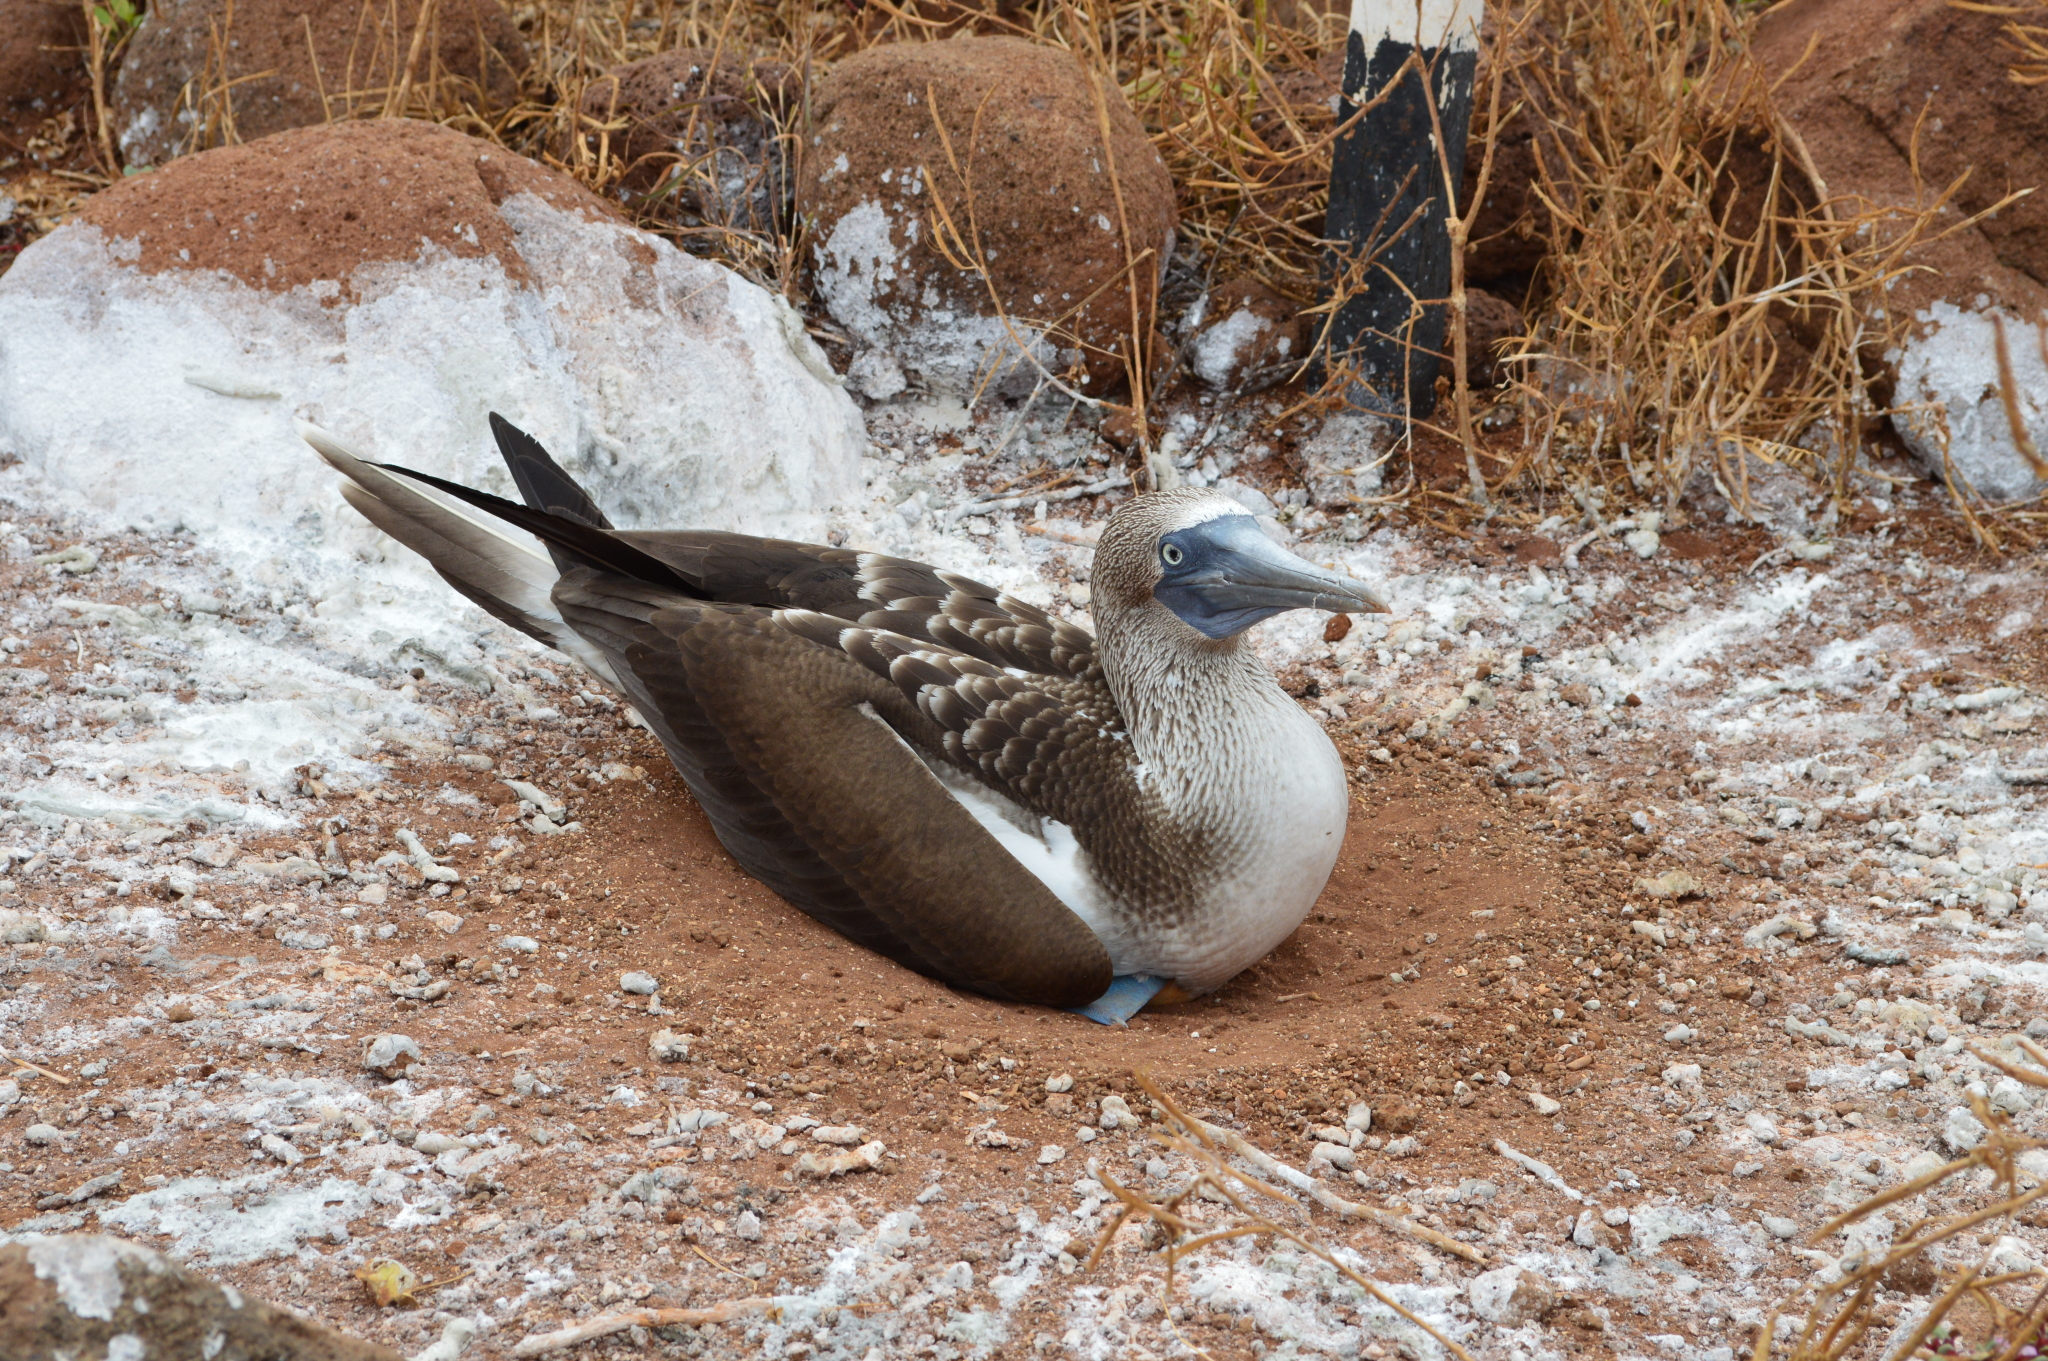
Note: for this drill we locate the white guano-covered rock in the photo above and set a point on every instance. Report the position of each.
(390, 1055)
(1949, 384)
(677, 392)
(1511, 1296)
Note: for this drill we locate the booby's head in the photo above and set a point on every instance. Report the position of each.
(1200, 556)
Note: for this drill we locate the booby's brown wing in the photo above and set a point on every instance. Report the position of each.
(797, 752)
(938, 608)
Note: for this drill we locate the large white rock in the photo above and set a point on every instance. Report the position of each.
(1948, 375)
(679, 393)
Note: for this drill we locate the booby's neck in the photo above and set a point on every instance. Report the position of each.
(1192, 705)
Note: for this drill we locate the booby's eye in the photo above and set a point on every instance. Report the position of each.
(1171, 555)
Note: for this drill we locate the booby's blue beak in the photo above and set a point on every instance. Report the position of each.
(1224, 575)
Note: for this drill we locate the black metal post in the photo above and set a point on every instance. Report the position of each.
(1390, 250)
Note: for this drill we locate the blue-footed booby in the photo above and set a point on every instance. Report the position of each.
(939, 771)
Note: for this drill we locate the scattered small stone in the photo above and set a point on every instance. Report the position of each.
(1328, 1155)
(1780, 1227)
(1670, 884)
(525, 945)
(85, 1191)
(390, 1055)
(1544, 1105)
(1358, 1119)
(1049, 1154)
(1682, 1075)
(1780, 925)
(1116, 1114)
(638, 984)
(1762, 1127)
(446, 921)
(819, 1164)
(303, 940)
(550, 807)
(372, 895)
(433, 1143)
(179, 1013)
(1962, 1131)
(1681, 1034)
(1877, 957)
(1062, 1082)
(841, 1136)
(22, 928)
(1511, 1296)
(42, 1135)
(1743, 1169)
(746, 1226)
(1614, 1216)
(1654, 930)
(282, 1149)
(1407, 1146)
(1822, 1031)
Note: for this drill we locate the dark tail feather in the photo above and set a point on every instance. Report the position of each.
(572, 542)
(542, 483)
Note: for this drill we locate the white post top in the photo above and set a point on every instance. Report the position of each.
(1427, 24)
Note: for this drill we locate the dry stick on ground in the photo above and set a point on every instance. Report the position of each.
(1219, 1179)
(539, 1344)
(6, 1057)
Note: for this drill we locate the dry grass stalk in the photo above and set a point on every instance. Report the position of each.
(1205, 1145)
(1843, 1313)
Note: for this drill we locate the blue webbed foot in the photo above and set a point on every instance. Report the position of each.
(1126, 997)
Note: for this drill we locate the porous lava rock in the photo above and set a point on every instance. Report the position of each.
(965, 201)
(78, 1295)
(698, 127)
(294, 63)
(394, 282)
(41, 67)
(1885, 76)
(1247, 337)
